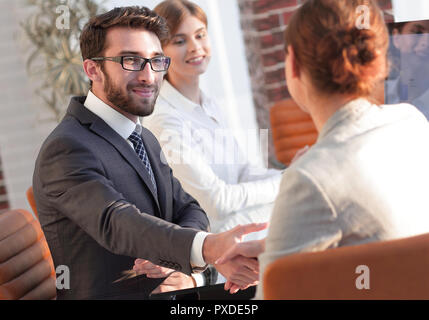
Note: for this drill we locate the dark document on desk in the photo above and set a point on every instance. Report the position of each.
(135, 288)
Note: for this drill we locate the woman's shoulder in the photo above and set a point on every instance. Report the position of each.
(369, 137)
(400, 110)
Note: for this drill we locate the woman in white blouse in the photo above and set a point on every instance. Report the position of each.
(194, 135)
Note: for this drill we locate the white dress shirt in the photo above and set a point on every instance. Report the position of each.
(124, 127)
(207, 160)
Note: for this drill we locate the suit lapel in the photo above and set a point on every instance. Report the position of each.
(99, 127)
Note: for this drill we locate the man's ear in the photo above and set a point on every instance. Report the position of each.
(92, 70)
(293, 63)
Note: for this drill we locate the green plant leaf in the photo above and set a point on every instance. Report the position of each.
(55, 59)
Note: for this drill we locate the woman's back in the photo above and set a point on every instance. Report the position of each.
(366, 177)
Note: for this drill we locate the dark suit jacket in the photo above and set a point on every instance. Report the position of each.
(98, 209)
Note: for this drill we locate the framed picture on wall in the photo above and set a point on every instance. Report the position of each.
(408, 80)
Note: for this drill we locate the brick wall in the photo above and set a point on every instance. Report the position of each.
(4, 204)
(263, 23)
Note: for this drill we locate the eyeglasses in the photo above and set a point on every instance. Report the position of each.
(136, 63)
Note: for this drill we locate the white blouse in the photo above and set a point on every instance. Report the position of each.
(205, 157)
(366, 179)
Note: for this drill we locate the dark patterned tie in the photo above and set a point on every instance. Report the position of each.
(137, 141)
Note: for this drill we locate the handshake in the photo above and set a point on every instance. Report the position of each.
(234, 259)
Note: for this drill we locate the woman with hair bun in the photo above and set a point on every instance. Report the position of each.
(367, 176)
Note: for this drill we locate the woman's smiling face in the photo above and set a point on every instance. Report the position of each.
(189, 49)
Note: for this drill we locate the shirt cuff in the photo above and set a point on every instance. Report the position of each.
(199, 278)
(197, 260)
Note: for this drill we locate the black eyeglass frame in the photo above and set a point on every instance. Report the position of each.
(120, 60)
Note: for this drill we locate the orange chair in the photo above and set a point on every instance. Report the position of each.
(26, 266)
(292, 129)
(398, 269)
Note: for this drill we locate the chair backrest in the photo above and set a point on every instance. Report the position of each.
(396, 269)
(31, 201)
(292, 129)
(26, 266)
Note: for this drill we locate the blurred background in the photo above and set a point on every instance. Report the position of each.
(41, 68)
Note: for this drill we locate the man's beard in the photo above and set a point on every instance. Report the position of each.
(126, 102)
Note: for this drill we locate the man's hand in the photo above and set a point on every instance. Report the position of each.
(248, 249)
(240, 271)
(215, 245)
(142, 266)
(176, 281)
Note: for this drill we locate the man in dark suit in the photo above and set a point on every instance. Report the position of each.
(103, 195)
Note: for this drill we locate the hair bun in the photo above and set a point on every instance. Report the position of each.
(351, 52)
(361, 45)
(338, 56)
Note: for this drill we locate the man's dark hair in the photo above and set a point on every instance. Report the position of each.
(93, 36)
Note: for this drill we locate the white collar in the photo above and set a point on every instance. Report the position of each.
(178, 100)
(117, 121)
(175, 98)
(350, 111)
